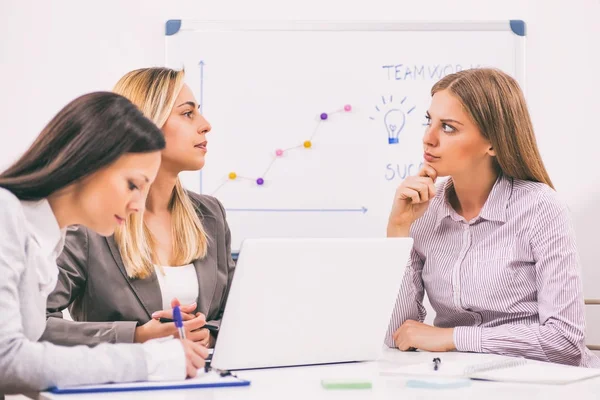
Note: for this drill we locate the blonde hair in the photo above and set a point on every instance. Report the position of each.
(154, 91)
(496, 104)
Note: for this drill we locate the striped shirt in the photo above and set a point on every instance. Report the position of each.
(508, 281)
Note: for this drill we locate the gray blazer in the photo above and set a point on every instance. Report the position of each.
(106, 305)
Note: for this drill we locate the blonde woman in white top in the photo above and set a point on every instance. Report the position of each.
(117, 288)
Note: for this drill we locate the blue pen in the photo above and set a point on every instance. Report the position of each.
(178, 322)
(211, 328)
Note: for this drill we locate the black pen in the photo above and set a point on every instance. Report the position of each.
(211, 328)
(436, 363)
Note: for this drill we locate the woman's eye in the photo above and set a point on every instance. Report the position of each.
(448, 128)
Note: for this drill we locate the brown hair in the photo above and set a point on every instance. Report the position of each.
(496, 104)
(88, 134)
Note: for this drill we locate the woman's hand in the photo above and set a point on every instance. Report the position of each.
(417, 335)
(201, 335)
(195, 354)
(192, 323)
(411, 201)
(187, 312)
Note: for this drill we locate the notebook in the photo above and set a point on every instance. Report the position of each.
(210, 379)
(505, 369)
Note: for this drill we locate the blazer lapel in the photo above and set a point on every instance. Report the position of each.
(206, 268)
(146, 290)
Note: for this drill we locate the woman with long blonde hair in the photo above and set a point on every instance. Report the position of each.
(493, 246)
(176, 251)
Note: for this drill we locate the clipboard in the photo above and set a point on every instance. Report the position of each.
(202, 381)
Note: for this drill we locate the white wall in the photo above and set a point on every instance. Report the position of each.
(52, 51)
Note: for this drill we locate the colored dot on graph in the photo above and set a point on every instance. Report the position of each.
(324, 116)
(347, 107)
(278, 152)
(232, 175)
(307, 144)
(260, 181)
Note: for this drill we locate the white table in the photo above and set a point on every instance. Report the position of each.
(305, 383)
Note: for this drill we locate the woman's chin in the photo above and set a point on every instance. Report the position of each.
(104, 230)
(195, 165)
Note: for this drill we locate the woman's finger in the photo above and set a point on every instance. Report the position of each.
(190, 370)
(428, 170)
(190, 308)
(423, 192)
(168, 314)
(195, 323)
(408, 193)
(197, 361)
(200, 335)
(201, 351)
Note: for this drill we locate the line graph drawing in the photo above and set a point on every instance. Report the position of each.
(279, 153)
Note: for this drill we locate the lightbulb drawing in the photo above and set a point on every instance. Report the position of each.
(394, 118)
(394, 121)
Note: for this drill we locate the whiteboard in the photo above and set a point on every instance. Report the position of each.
(315, 124)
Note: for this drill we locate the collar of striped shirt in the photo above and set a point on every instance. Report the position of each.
(494, 208)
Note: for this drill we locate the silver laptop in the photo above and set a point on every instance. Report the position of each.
(310, 301)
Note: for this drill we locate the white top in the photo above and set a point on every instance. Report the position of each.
(44, 229)
(30, 240)
(177, 282)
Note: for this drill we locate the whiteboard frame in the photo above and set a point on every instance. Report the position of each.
(518, 27)
(198, 25)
